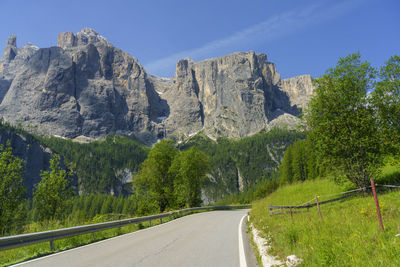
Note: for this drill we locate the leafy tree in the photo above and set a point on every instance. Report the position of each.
(11, 185)
(154, 185)
(342, 119)
(386, 99)
(53, 191)
(189, 169)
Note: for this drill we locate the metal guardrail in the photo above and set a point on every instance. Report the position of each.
(16, 241)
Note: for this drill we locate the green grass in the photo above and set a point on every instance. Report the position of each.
(349, 234)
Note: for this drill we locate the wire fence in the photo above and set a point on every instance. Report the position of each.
(285, 209)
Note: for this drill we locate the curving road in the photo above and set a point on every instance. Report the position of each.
(203, 239)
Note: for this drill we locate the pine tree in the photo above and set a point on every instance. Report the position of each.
(285, 169)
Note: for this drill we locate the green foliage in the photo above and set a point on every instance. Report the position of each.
(100, 165)
(154, 185)
(286, 167)
(189, 169)
(342, 119)
(389, 172)
(170, 179)
(254, 192)
(11, 186)
(386, 99)
(53, 191)
(299, 162)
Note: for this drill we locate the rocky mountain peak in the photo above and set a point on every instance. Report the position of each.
(183, 66)
(84, 37)
(12, 40)
(10, 51)
(86, 87)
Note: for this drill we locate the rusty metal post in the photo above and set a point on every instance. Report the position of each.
(378, 211)
(319, 209)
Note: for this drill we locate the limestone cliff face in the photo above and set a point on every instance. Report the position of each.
(234, 95)
(83, 87)
(87, 87)
(299, 89)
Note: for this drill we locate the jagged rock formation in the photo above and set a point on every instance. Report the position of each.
(87, 87)
(10, 51)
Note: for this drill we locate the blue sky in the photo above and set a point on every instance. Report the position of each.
(300, 36)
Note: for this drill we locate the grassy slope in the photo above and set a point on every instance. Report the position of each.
(349, 234)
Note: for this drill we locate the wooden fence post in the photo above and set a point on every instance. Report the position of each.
(319, 209)
(378, 211)
(291, 214)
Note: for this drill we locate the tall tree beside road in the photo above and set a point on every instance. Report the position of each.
(154, 185)
(170, 179)
(189, 169)
(11, 185)
(343, 120)
(53, 191)
(386, 99)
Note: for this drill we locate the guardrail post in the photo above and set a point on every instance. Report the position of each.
(160, 220)
(150, 223)
(52, 245)
(270, 211)
(378, 211)
(319, 209)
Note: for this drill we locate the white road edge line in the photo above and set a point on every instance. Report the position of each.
(242, 255)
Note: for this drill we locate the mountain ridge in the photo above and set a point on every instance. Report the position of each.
(87, 87)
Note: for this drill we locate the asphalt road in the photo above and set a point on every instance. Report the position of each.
(203, 239)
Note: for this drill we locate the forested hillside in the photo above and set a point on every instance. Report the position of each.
(109, 165)
(102, 166)
(238, 164)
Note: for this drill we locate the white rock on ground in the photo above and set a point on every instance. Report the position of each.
(292, 260)
(263, 246)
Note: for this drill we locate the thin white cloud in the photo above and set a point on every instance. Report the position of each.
(274, 28)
